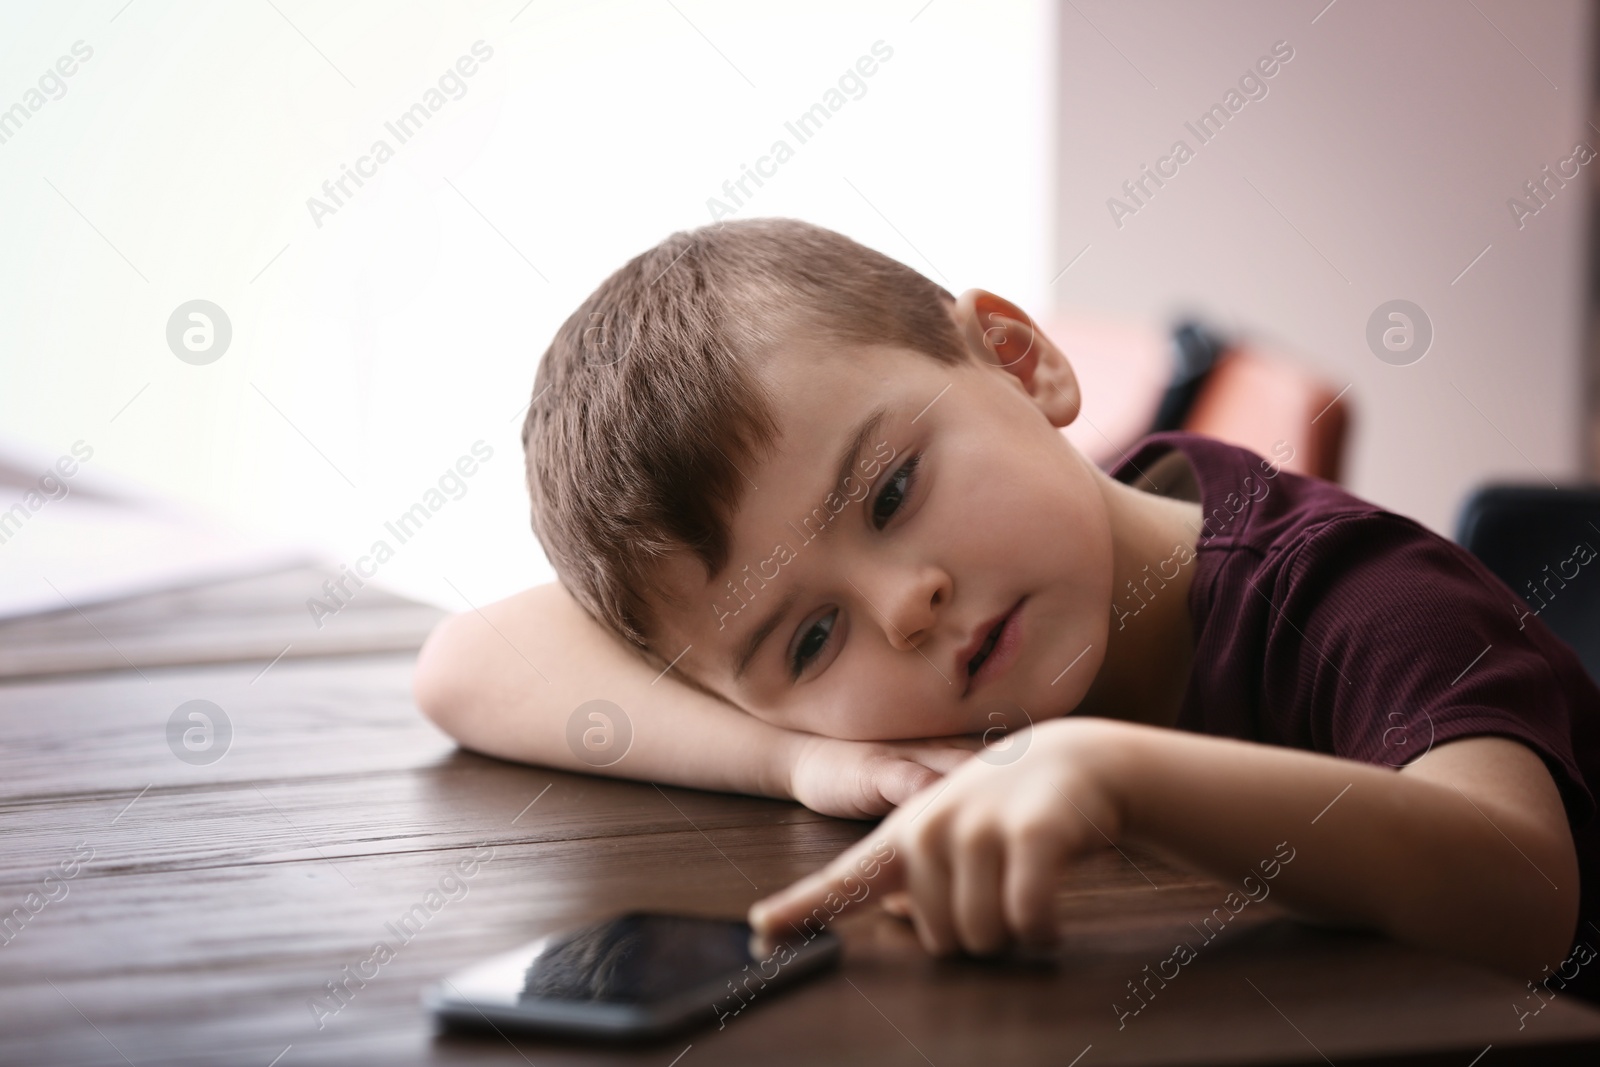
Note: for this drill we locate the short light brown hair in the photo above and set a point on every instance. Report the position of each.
(645, 408)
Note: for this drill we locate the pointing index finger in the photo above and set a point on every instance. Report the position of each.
(871, 865)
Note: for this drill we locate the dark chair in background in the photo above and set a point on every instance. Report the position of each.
(1545, 544)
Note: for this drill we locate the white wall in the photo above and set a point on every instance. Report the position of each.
(1378, 166)
(372, 351)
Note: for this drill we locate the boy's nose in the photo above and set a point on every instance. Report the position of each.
(907, 605)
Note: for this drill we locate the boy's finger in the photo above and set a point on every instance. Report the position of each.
(929, 882)
(843, 878)
(977, 879)
(903, 779)
(952, 743)
(1032, 876)
(943, 760)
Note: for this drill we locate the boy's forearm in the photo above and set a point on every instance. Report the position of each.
(1394, 851)
(504, 680)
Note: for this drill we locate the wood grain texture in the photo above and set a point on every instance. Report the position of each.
(213, 904)
(223, 965)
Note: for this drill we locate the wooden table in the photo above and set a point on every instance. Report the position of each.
(210, 904)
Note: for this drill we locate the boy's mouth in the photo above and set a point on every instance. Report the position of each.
(983, 649)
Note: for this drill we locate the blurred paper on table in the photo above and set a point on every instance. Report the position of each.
(85, 537)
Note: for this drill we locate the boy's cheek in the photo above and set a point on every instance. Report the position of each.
(858, 704)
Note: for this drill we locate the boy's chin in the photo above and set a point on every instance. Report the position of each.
(872, 732)
(985, 720)
(914, 728)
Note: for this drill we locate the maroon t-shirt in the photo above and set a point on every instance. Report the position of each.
(1326, 623)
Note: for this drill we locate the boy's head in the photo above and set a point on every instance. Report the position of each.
(811, 480)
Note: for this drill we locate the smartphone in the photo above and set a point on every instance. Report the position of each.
(641, 974)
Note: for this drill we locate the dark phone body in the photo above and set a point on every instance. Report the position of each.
(637, 975)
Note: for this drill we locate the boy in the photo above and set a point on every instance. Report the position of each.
(817, 530)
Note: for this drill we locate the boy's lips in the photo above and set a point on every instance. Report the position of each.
(1001, 653)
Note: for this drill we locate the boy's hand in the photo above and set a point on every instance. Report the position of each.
(1476, 827)
(979, 855)
(865, 779)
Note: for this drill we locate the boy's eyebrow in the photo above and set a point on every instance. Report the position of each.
(858, 441)
(746, 651)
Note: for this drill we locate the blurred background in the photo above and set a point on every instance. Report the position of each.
(261, 364)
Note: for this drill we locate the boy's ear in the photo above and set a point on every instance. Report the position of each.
(1003, 336)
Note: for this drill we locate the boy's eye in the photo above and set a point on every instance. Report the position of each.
(894, 492)
(814, 637)
(813, 641)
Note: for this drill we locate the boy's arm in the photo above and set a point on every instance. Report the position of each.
(1476, 828)
(504, 680)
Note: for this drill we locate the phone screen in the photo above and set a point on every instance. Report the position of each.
(633, 959)
(635, 974)
(637, 959)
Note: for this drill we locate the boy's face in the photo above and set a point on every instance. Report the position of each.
(869, 578)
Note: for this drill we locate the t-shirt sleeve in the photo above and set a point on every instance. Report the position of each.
(1386, 641)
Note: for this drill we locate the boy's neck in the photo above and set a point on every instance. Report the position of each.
(1150, 647)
